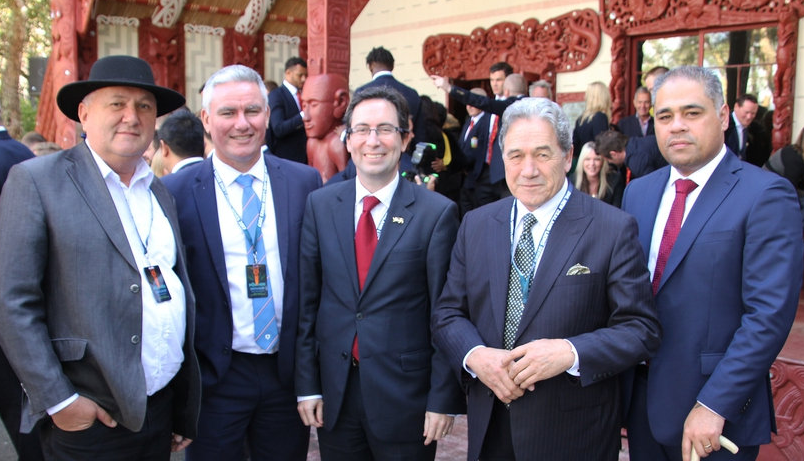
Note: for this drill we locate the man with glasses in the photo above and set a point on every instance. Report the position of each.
(374, 257)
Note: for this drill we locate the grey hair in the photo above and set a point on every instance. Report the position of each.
(706, 77)
(540, 108)
(233, 73)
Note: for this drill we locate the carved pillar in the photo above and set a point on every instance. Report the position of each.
(785, 77)
(787, 382)
(64, 63)
(163, 48)
(328, 35)
(620, 73)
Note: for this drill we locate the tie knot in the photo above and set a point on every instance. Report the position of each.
(528, 221)
(244, 180)
(685, 186)
(370, 202)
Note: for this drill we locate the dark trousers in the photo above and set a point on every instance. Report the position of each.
(641, 444)
(28, 446)
(103, 443)
(249, 406)
(352, 440)
(498, 444)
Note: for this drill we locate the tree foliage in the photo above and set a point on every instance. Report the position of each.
(24, 32)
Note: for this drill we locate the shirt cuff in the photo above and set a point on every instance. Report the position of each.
(713, 411)
(302, 398)
(61, 406)
(471, 373)
(575, 365)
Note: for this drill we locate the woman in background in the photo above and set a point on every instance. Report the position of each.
(594, 178)
(593, 120)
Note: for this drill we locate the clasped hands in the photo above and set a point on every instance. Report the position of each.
(510, 373)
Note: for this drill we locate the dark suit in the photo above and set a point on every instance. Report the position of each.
(631, 127)
(477, 190)
(726, 301)
(27, 445)
(287, 136)
(756, 149)
(607, 314)
(642, 156)
(195, 191)
(70, 300)
(400, 374)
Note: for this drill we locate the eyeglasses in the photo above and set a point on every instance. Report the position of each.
(382, 131)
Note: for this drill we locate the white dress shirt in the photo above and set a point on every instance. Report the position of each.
(378, 213)
(293, 90)
(185, 162)
(234, 250)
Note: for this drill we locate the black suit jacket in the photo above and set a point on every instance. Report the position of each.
(607, 314)
(642, 156)
(401, 374)
(631, 127)
(11, 153)
(475, 147)
(287, 136)
(757, 147)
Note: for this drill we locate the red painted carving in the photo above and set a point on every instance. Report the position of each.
(564, 44)
(242, 49)
(87, 50)
(355, 8)
(623, 19)
(163, 48)
(328, 35)
(64, 66)
(324, 101)
(787, 382)
(84, 16)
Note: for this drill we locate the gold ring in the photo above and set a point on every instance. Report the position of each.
(708, 447)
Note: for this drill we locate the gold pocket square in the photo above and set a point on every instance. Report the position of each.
(578, 270)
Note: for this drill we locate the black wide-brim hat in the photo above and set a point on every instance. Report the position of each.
(117, 71)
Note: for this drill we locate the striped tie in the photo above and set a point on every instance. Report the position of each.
(265, 329)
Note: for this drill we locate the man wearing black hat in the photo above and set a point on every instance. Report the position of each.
(96, 314)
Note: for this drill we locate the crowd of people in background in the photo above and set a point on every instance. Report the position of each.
(401, 267)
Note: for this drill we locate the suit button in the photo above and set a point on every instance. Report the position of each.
(359, 316)
(134, 288)
(135, 339)
(226, 350)
(344, 355)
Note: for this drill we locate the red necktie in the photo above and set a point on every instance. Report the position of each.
(492, 137)
(671, 229)
(298, 99)
(471, 125)
(365, 243)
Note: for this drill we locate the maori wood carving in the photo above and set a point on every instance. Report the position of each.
(623, 19)
(563, 44)
(328, 36)
(163, 48)
(787, 383)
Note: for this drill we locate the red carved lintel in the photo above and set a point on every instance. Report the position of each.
(563, 44)
(623, 19)
(328, 35)
(163, 48)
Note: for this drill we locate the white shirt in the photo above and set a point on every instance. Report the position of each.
(293, 90)
(378, 213)
(740, 129)
(380, 73)
(184, 162)
(543, 214)
(474, 121)
(668, 196)
(237, 258)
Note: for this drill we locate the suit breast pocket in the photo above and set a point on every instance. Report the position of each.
(405, 256)
(68, 349)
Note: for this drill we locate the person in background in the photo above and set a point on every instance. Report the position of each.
(541, 89)
(594, 178)
(286, 137)
(594, 119)
(641, 123)
(181, 142)
(745, 136)
(788, 162)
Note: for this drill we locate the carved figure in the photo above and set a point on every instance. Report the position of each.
(324, 101)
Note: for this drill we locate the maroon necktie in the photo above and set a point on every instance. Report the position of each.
(365, 243)
(298, 99)
(495, 120)
(683, 188)
(471, 125)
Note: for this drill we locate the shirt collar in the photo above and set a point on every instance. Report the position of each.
(384, 195)
(141, 173)
(545, 212)
(381, 73)
(736, 122)
(228, 174)
(293, 90)
(702, 175)
(477, 117)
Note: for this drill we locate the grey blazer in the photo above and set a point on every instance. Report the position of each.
(70, 301)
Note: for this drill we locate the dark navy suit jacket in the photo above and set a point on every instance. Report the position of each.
(194, 190)
(631, 127)
(726, 301)
(475, 156)
(287, 136)
(11, 153)
(401, 375)
(607, 314)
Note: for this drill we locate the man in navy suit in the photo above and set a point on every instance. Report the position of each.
(474, 142)
(287, 137)
(243, 264)
(641, 123)
(540, 341)
(726, 288)
(744, 136)
(367, 375)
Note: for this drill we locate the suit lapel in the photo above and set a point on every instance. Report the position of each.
(567, 231)
(342, 214)
(279, 188)
(206, 204)
(392, 228)
(646, 219)
(499, 264)
(714, 192)
(87, 179)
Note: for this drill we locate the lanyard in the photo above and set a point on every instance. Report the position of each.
(526, 276)
(252, 242)
(144, 242)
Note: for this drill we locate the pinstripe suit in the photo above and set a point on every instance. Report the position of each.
(607, 314)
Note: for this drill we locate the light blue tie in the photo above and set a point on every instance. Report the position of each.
(265, 330)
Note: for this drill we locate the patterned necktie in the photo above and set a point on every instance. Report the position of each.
(524, 262)
(365, 243)
(265, 329)
(671, 229)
